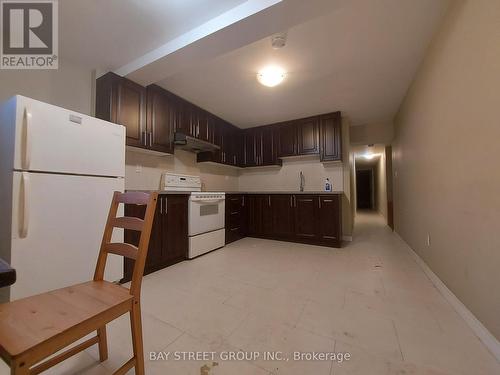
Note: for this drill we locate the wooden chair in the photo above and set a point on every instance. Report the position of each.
(34, 328)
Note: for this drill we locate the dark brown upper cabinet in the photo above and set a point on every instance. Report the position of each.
(160, 119)
(308, 136)
(287, 139)
(298, 137)
(331, 137)
(260, 146)
(122, 101)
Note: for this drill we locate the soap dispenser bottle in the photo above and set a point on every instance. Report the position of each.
(328, 185)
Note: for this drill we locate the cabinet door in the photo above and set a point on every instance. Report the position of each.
(250, 146)
(306, 207)
(268, 154)
(185, 117)
(202, 125)
(254, 215)
(131, 111)
(267, 216)
(234, 217)
(308, 136)
(287, 139)
(154, 256)
(174, 213)
(329, 219)
(160, 120)
(282, 216)
(331, 137)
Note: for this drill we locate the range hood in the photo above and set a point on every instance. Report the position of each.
(192, 144)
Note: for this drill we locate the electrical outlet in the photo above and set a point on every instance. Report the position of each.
(138, 168)
(428, 240)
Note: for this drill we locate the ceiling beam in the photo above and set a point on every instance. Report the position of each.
(242, 25)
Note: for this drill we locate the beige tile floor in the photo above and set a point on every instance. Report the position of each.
(369, 299)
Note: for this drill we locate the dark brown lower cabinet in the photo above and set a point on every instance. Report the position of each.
(235, 217)
(283, 214)
(306, 213)
(259, 215)
(330, 219)
(306, 218)
(169, 236)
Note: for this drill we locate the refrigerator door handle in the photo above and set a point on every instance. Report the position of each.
(27, 138)
(25, 207)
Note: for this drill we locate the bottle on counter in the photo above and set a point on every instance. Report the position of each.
(328, 185)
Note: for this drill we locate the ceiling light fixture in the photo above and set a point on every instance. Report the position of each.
(271, 76)
(368, 156)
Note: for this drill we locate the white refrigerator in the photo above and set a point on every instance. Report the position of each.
(58, 172)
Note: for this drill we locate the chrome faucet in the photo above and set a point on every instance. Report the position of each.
(302, 181)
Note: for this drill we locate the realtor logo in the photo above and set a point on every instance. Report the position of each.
(29, 37)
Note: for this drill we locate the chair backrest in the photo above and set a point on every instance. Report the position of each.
(143, 226)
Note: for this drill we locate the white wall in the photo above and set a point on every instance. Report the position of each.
(446, 158)
(70, 86)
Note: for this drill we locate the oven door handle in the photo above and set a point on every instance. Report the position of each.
(203, 201)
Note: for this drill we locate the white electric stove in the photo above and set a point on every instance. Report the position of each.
(205, 213)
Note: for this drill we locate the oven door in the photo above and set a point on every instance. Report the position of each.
(205, 215)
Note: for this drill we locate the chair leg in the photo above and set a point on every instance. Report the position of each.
(103, 343)
(19, 368)
(136, 327)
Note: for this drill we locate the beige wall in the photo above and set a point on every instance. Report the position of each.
(382, 133)
(447, 180)
(69, 87)
(143, 171)
(381, 186)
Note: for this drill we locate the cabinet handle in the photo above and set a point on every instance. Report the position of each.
(291, 201)
(166, 206)
(319, 203)
(234, 159)
(150, 139)
(269, 200)
(243, 201)
(144, 139)
(161, 205)
(294, 201)
(328, 201)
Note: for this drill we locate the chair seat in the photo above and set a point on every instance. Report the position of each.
(32, 321)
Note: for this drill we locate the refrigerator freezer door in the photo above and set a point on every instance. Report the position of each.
(53, 139)
(57, 227)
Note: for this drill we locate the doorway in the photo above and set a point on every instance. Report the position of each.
(365, 189)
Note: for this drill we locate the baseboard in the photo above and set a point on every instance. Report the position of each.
(347, 238)
(479, 329)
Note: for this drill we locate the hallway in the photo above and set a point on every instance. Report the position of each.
(428, 330)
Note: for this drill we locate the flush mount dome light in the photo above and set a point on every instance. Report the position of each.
(271, 76)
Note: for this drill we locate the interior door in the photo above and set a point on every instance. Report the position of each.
(57, 227)
(364, 189)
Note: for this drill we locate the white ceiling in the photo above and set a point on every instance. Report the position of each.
(359, 59)
(106, 34)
